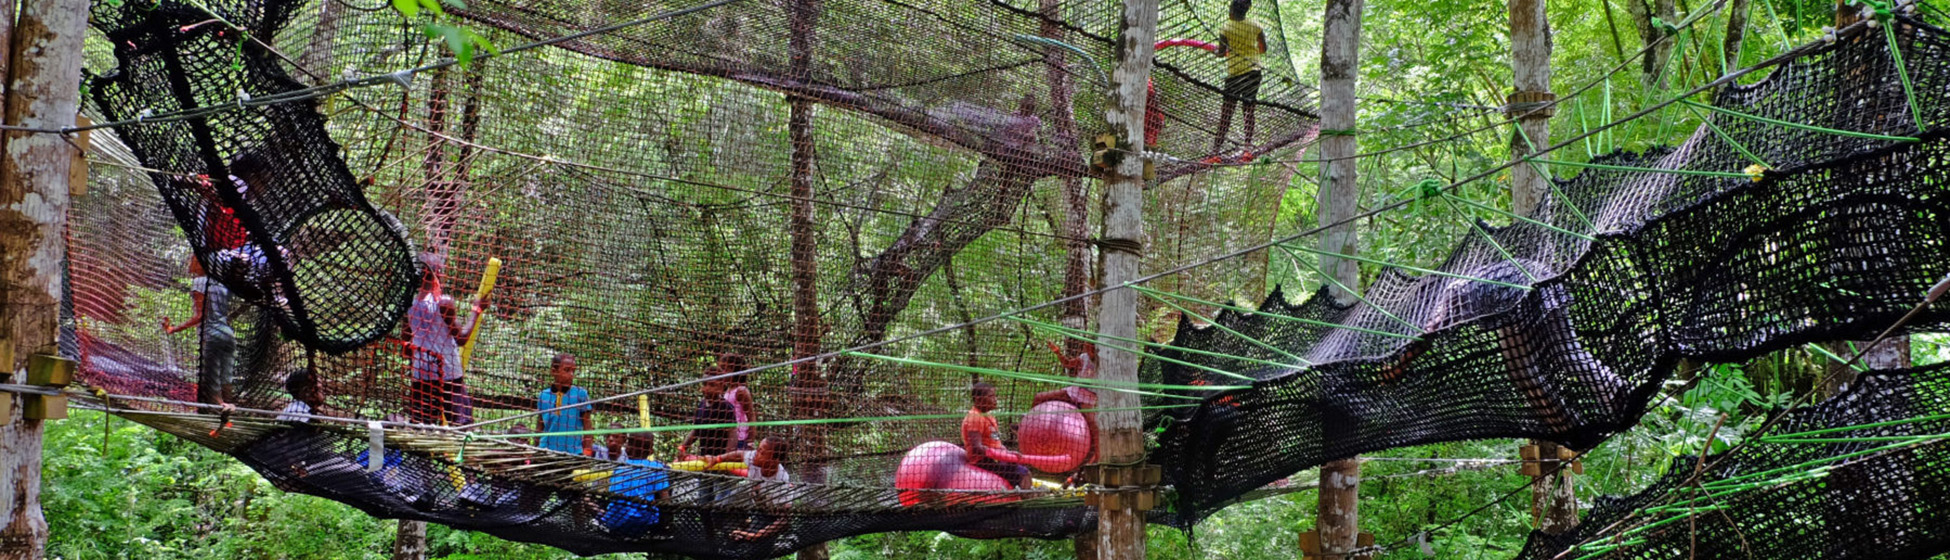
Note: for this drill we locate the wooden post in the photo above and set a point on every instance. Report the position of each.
(1120, 528)
(1338, 515)
(43, 69)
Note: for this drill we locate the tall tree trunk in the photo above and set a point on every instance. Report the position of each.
(1736, 33)
(442, 207)
(410, 543)
(1076, 208)
(1120, 441)
(1654, 62)
(316, 61)
(43, 67)
(1338, 515)
(1552, 497)
(1075, 313)
(809, 396)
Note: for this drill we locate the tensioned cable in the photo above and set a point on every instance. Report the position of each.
(1930, 297)
(1729, 78)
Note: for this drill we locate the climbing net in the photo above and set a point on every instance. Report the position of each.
(797, 196)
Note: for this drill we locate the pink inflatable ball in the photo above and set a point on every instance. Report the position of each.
(939, 465)
(1054, 437)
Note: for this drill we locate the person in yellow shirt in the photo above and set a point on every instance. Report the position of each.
(1241, 43)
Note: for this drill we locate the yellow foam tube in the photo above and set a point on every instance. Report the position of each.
(487, 285)
(695, 466)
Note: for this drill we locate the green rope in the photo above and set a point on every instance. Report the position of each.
(810, 421)
(1606, 134)
(1059, 379)
(1861, 439)
(1411, 268)
(1838, 359)
(1678, 58)
(1804, 467)
(1337, 132)
(1799, 126)
(1357, 295)
(1532, 221)
(1094, 338)
(1221, 326)
(1478, 228)
(1838, 429)
(1646, 169)
(1573, 207)
(1902, 70)
(1300, 320)
(1737, 146)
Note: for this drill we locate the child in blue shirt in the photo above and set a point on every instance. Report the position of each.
(564, 393)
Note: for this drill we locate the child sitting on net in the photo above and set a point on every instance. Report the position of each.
(985, 451)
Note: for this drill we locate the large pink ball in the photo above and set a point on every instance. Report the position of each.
(939, 465)
(1054, 437)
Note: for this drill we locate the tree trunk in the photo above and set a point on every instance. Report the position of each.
(1076, 208)
(1552, 497)
(316, 61)
(1736, 32)
(410, 543)
(1655, 61)
(442, 209)
(808, 386)
(1120, 438)
(1338, 515)
(43, 68)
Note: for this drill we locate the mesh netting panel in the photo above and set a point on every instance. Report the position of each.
(1566, 339)
(262, 192)
(754, 182)
(1837, 480)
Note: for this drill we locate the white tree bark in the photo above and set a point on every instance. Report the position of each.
(1338, 515)
(1119, 438)
(43, 69)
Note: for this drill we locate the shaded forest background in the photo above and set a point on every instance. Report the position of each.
(117, 490)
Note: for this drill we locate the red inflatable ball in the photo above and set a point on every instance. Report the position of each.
(1054, 438)
(939, 465)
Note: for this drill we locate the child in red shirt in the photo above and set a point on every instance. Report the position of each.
(978, 437)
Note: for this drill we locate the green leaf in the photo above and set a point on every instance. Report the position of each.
(408, 8)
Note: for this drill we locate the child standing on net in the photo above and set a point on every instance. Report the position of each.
(1241, 43)
(210, 313)
(564, 393)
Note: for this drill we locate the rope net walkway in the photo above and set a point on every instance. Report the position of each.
(646, 195)
(337, 185)
(1853, 477)
(1563, 328)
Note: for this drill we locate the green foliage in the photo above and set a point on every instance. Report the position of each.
(460, 40)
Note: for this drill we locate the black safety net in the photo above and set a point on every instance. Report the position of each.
(407, 268)
(1857, 476)
(1539, 330)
